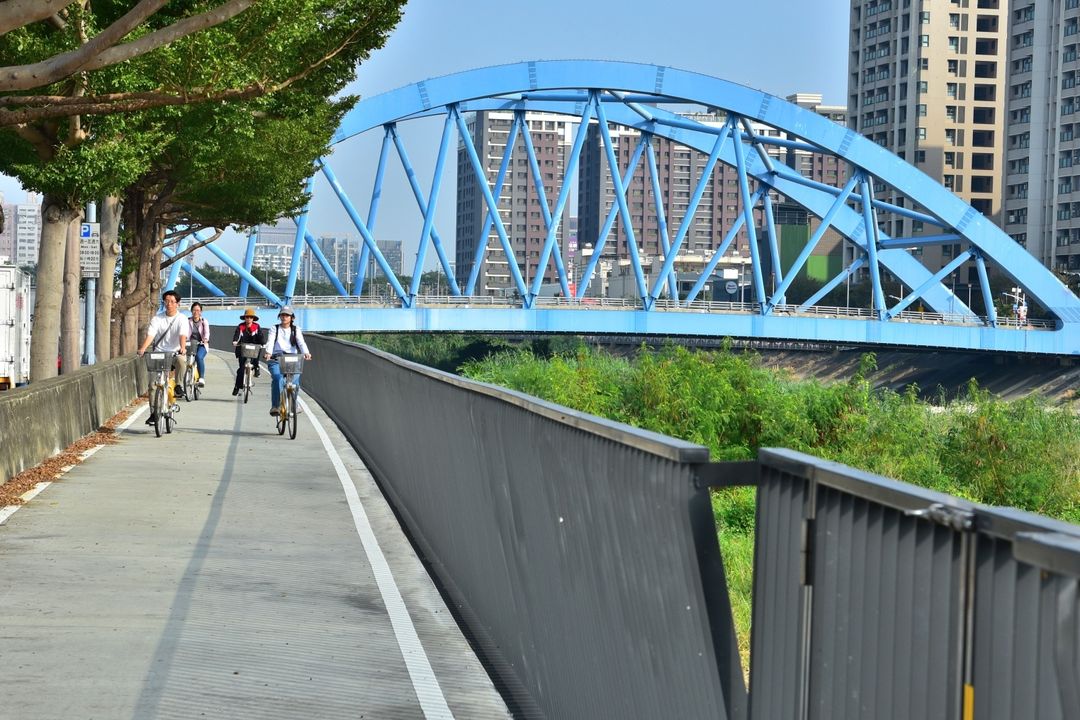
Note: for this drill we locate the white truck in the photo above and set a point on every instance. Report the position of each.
(15, 307)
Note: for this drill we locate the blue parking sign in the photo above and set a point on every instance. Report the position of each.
(84, 231)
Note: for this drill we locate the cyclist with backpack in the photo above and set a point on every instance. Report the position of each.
(284, 337)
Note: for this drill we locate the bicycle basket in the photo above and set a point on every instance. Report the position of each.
(291, 363)
(157, 361)
(192, 347)
(250, 350)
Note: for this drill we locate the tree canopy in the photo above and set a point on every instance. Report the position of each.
(195, 112)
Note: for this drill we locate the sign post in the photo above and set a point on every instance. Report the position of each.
(90, 269)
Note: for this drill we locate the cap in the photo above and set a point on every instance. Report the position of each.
(286, 310)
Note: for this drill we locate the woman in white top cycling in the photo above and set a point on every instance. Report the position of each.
(284, 337)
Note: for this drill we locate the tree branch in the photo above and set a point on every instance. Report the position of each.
(15, 14)
(166, 262)
(42, 107)
(58, 67)
(102, 51)
(164, 36)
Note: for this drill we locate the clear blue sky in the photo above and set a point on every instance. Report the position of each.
(779, 46)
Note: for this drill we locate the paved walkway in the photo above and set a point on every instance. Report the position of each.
(225, 572)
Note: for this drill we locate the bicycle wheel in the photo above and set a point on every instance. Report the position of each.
(197, 390)
(281, 417)
(157, 404)
(169, 422)
(247, 382)
(290, 407)
(189, 384)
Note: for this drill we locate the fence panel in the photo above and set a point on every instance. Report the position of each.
(907, 603)
(581, 554)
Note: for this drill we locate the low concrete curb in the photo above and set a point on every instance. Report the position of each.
(41, 419)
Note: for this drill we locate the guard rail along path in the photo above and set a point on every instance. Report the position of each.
(582, 557)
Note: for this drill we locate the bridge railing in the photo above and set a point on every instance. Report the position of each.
(874, 598)
(607, 303)
(581, 556)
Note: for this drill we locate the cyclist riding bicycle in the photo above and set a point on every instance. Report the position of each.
(199, 331)
(284, 337)
(247, 331)
(168, 331)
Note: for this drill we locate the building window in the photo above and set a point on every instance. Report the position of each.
(924, 18)
(920, 133)
(924, 41)
(920, 110)
(920, 156)
(923, 86)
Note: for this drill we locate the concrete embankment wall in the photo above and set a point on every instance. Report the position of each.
(41, 419)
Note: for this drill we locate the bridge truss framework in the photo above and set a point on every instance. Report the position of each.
(632, 95)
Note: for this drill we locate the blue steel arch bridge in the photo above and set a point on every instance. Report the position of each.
(606, 95)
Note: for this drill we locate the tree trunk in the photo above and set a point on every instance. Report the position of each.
(110, 250)
(71, 348)
(140, 280)
(55, 217)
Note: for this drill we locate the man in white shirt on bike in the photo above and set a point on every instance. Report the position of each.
(168, 331)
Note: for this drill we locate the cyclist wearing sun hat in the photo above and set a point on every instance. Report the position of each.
(248, 331)
(284, 337)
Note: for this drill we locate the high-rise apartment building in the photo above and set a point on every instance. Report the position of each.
(342, 253)
(1042, 155)
(679, 170)
(927, 80)
(518, 202)
(274, 246)
(27, 221)
(7, 233)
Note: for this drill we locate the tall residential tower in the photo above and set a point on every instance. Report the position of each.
(1042, 161)
(927, 81)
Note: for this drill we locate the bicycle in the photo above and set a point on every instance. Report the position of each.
(161, 400)
(250, 353)
(191, 375)
(291, 365)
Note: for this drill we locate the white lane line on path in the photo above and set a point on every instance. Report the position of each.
(428, 692)
(6, 512)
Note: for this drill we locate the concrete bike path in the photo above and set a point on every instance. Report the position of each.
(223, 571)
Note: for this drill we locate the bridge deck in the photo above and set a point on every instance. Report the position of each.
(223, 571)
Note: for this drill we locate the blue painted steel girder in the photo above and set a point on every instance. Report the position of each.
(502, 87)
(687, 323)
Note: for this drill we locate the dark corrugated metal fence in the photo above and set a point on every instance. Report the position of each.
(582, 554)
(877, 599)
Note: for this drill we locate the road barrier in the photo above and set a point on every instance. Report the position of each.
(875, 598)
(582, 560)
(39, 420)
